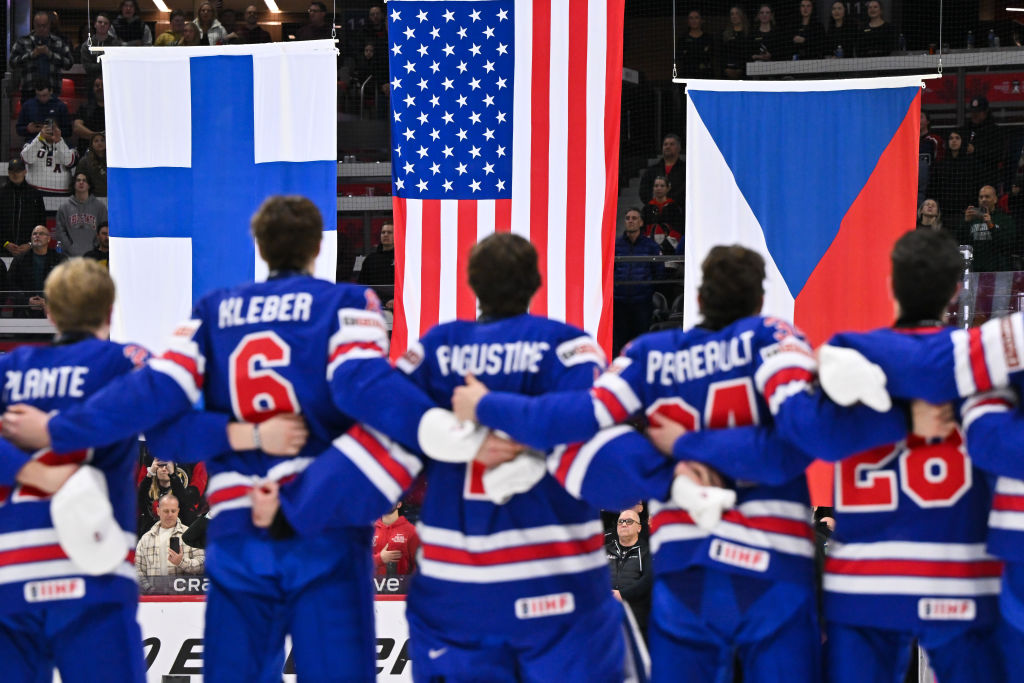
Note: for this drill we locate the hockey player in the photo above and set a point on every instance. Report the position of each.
(907, 560)
(745, 589)
(979, 363)
(530, 557)
(256, 351)
(53, 611)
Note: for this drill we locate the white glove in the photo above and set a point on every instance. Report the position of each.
(847, 377)
(704, 503)
(446, 438)
(518, 475)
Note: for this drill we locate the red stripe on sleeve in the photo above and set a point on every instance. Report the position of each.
(186, 362)
(380, 453)
(565, 462)
(977, 358)
(785, 376)
(611, 404)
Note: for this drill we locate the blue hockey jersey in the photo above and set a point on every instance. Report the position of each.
(913, 519)
(757, 371)
(34, 570)
(252, 352)
(541, 553)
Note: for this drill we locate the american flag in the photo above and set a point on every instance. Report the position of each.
(504, 117)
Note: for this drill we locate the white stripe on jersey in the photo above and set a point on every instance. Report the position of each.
(910, 550)
(581, 463)
(962, 362)
(376, 473)
(182, 377)
(518, 571)
(510, 538)
(909, 585)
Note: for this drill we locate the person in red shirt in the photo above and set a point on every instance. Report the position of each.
(395, 543)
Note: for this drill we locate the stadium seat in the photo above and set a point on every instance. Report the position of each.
(67, 88)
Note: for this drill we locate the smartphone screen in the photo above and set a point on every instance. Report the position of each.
(176, 544)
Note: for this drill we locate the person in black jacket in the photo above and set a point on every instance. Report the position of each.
(841, 34)
(630, 562)
(953, 181)
(807, 37)
(379, 267)
(21, 209)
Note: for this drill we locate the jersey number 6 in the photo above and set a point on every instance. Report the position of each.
(257, 391)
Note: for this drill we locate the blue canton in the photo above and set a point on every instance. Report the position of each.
(451, 99)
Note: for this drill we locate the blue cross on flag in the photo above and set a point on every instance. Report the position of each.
(197, 138)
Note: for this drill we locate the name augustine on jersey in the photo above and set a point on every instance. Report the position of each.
(35, 383)
(491, 359)
(700, 360)
(293, 306)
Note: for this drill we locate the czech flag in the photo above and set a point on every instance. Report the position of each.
(820, 177)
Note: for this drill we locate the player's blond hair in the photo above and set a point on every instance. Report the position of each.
(79, 295)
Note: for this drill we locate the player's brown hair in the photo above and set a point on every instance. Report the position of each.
(732, 285)
(287, 230)
(79, 295)
(503, 273)
(926, 267)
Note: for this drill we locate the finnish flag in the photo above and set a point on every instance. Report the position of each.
(197, 138)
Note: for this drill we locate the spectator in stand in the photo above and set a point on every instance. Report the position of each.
(79, 217)
(21, 209)
(878, 37)
(985, 141)
(663, 218)
(94, 164)
(91, 118)
(190, 35)
(841, 34)
(229, 21)
(765, 41)
(173, 36)
(671, 166)
(28, 272)
(163, 478)
(929, 216)
(40, 56)
(375, 30)
(1015, 200)
(633, 304)
(211, 31)
(101, 38)
(251, 32)
(953, 179)
(696, 49)
(736, 44)
(374, 63)
(49, 161)
(155, 554)
(101, 252)
(630, 562)
(808, 35)
(41, 107)
(318, 27)
(379, 267)
(129, 27)
(930, 151)
(991, 233)
(395, 543)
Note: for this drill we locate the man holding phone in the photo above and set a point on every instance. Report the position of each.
(161, 552)
(992, 234)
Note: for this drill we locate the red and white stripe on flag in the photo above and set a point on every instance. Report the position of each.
(567, 87)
